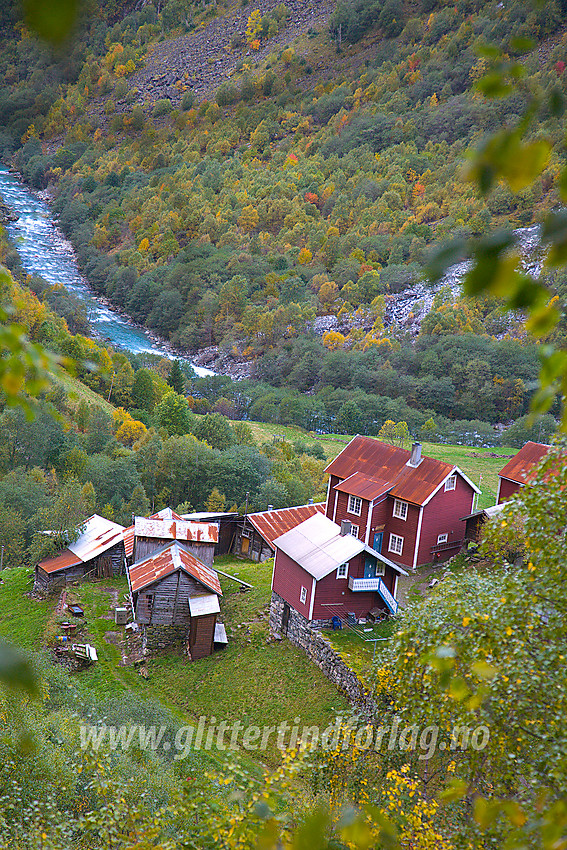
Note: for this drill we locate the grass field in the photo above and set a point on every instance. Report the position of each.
(78, 392)
(255, 679)
(481, 465)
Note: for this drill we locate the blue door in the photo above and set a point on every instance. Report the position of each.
(378, 537)
(370, 567)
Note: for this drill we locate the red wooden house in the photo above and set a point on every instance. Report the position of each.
(401, 503)
(322, 571)
(398, 508)
(519, 470)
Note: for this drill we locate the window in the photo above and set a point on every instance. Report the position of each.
(381, 567)
(354, 505)
(442, 538)
(400, 509)
(396, 544)
(451, 482)
(354, 529)
(342, 571)
(303, 594)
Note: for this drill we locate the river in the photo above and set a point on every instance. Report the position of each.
(45, 251)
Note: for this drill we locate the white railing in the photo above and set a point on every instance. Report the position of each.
(363, 583)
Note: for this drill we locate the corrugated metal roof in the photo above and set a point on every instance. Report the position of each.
(166, 529)
(382, 462)
(272, 524)
(66, 558)
(166, 513)
(493, 510)
(523, 465)
(208, 516)
(99, 534)
(318, 546)
(200, 606)
(359, 484)
(168, 560)
(129, 541)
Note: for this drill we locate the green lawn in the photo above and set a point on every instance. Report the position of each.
(358, 647)
(474, 462)
(255, 680)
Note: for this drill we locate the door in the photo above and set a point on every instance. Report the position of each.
(370, 567)
(378, 537)
(285, 618)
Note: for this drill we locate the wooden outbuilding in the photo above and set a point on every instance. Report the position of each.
(520, 470)
(152, 534)
(175, 600)
(256, 533)
(227, 523)
(97, 553)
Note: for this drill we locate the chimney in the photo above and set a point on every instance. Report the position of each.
(415, 458)
(270, 507)
(346, 526)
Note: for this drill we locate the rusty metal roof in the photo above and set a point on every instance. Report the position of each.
(129, 541)
(166, 513)
(167, 561)
(172, 529)
(361, 485)
(523, 465)
(99, 534)
(272, 524)
(64, 559)
(381, 462)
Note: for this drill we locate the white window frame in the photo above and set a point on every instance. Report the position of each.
(380, 568)
(354, 530)
(451, 482)
(303, 595)
(400, 509)
(442, 538)
(353, 503)
(343, 574)
(393, 544)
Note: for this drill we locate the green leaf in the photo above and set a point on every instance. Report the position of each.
(521, 44)
(456, 790)
(53, 21)
(485, 811)
(15, 668)
(312, 834)
(484, 670)
(458, 689)
(541, 322)
(444, 257)
(556, 102)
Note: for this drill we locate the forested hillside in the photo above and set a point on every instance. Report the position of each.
(311, 183)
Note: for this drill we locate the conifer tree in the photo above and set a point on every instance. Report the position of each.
(176, 380)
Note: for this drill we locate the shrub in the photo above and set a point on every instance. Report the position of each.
(162, 107)
(227, 94)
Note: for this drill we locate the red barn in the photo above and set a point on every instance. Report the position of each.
(322, 571)
(519, 470)
(400, 502)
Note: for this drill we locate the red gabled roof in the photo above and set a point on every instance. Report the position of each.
(359, 484)
(523, 465)
(272, 524)
(372, 460)
(167, 561)
(64, 559)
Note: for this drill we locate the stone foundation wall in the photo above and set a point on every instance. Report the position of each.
(300, 632)
(157, 639)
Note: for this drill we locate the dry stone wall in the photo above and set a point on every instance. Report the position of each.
(320, 651)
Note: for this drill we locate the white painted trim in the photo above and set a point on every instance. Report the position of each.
(328, 494)
(395, 591)
(498, 490)
(336, 499)
(337, 576)
(312, 601)
(442, 484)
(418, 538)
(368, 521)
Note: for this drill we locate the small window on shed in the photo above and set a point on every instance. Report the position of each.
(442, 538)
(303, 595)
(451, 483)
(354, 505)
(342, 571)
